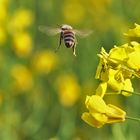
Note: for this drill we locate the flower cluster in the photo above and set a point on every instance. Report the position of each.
(18, 26)
(115, 71)
(15, 25)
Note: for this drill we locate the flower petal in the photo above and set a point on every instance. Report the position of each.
(115, 112)
(101, 90)
(127, 87)
(91, 121)
(95, 103)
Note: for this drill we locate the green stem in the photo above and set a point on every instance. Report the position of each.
(132, 118)
(136, 93)
(111, 93)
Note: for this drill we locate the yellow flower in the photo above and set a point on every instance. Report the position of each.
(115, 114)
(120, 53)
(89, 119)
(68, 89)
(125, 55)
(21, 19)
(117, 68)
(119, 58)
(69, 13)
(134, 32)
(22, 44)
(100, 113)
(4, 2)
(3, 13)
(95, 103)
(22, 78)
(115, 80)
(44, 61)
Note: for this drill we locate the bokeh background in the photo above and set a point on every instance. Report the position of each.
(42, 93)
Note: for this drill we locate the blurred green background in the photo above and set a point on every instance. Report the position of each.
(42, 93)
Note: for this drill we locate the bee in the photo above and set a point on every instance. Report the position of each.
(67, 35)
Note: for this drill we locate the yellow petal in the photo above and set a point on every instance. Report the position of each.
(134, 60)
(136, 46)
(113, 82)
(115, 120)
(115, 112)
(118, 53)
(100, 117)
(91, 121)
(127, 87)
(101, 90)
(95, 103)
(135, 32)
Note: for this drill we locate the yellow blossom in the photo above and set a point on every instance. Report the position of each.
(68, 89)
(95, 103)
(100, 113)
(44, 61)
(119, 58)
(22, 44)
(135, 32)
(89, 119)
(120, 53)
(22, 78)
(115, 114)
(21, 19)
(4, 2)
(69, 13)
(115, 80)
(3, 13)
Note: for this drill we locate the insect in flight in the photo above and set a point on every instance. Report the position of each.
(67, 34)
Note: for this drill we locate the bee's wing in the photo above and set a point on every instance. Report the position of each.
(49, 30)
(83, 33)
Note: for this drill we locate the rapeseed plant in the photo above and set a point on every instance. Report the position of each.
(116, 69)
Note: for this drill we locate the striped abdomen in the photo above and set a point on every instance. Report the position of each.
(69, 38)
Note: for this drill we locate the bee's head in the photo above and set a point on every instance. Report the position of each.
(66, 27)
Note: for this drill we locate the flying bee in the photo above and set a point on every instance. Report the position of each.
(67, 35)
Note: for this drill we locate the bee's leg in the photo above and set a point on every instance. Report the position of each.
(60, 41)
(74, 49)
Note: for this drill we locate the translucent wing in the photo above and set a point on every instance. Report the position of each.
(49, 30)
(83, 33)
